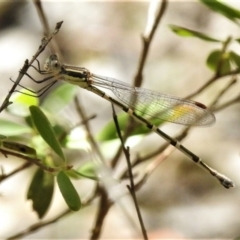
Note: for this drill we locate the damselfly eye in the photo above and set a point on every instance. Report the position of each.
(52, 64)
(55, 65)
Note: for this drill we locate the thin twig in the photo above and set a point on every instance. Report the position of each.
(54, 47)
(138, 160)
(27, 64)
(4, 176)
(221, 93)
(130, 187)
(92, 140)
(35, 161)
(146, 41)
(42, 16)
(212, 80)
(103, 208)
(228, 103)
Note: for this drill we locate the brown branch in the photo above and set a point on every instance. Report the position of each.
(27, 64)
(130, 187)
(103, 208)
(92, 140)
(4, 176)
(42, 16)
(146, 42)
(31, 160)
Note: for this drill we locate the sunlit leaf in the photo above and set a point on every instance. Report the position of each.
(109, 131)
(41, 191)
(237, 40)
(235, 58)
(45, 130)
(223, 9)
(185, 32)
(88, 170)
(213, 61)
(21, 103)
(9, 128)
(68, 191)
(59, 97)
(2, 137)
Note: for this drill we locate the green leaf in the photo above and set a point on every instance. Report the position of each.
(9, 128)
(213, 61)
(237, 40)
(68, 191)
(41, 191)
(2, 137)
(45, 130)
(21, 103)
(87, 170)
(235, 58)
(185, 32)
(60, 97)
(109, 131)
(223, 9)
(19, 147)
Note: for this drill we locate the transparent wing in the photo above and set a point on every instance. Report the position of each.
(158, 105)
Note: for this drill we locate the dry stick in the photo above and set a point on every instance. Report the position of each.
(153, 166)
(138, 160)
(146, 40)
(104, 203)
(217, 75)
(227, 104)
(82, 114)
(42, 17)
(131, 188)
(4, 176)
(212, 80)
(221, 93)
(27, 64)
(54, 47)
(103, 208)
(35, 161)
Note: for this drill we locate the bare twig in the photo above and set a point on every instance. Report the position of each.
(27, 64)
(130, 187)
(92, 140)
(147, 39)
(103, 208)
(54, 47)
(217, 75)
(221, 93)
(4, 176)
(35, 161)
(212, 80)
(153, 166)
(227, 104)
(42, 16)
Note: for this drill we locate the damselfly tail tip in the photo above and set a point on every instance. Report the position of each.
(226, 182)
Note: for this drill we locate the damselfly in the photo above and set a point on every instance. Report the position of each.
(135, 102)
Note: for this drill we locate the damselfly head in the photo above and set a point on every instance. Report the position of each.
(52, 64)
